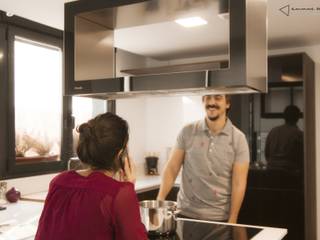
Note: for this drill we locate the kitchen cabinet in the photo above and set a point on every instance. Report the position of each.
(275, 198)
(285, 84)
(282, 197)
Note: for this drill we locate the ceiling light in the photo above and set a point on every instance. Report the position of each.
(191, 22)
(9, 14)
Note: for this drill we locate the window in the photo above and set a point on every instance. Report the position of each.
(83, 109)
(36, 132)
(37, 75)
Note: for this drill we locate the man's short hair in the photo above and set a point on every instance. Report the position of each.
(228, 97)
(291, 114)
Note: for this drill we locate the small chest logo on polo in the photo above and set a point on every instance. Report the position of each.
(202, 144)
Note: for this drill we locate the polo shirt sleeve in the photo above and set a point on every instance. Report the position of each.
(242, 150)
(181, 140)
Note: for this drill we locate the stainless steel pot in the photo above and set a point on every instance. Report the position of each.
(158, 216)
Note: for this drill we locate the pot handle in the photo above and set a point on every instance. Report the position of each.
(174, 213)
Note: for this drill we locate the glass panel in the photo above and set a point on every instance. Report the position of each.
(277, 99)
(152, 37)
(83, 109)
(38, 101)
(298, 97)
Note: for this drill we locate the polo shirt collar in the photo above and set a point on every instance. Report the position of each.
(227, 130)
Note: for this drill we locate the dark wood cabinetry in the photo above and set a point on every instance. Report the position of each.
(285, 81)
(282, 197)
(152, 194)
(275, 198)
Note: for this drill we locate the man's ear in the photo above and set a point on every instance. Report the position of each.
(228, 106)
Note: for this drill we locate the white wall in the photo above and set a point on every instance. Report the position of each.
(37, 10)
(155, 123)
(133, 110)
(165, 117)
(163, 121)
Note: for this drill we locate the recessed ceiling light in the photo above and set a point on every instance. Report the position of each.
(191, 21)
(9, 14)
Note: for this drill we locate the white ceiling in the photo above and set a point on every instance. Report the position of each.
(301, 28)
(48, 12)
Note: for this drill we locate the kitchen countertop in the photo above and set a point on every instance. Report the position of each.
(19, 222)
(143, 184)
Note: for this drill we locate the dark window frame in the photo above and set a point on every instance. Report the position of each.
(9, 27)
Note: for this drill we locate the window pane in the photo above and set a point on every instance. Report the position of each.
(83, 109)
(38, 101)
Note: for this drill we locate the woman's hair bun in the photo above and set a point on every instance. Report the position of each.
(84, 130)
(100, 141)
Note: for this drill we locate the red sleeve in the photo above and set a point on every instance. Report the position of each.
(128, 223)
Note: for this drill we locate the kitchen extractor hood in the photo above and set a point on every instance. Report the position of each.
(120, 49)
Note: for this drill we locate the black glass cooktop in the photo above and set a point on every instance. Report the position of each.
(190, 230)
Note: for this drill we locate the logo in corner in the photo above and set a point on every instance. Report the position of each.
(285, 10)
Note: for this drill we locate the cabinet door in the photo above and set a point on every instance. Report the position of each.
(285, 81)
(89, 57)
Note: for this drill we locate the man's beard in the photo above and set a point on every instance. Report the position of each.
(215, 118)
(213, 106)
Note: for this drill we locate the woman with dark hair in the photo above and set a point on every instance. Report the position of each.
(91, 204)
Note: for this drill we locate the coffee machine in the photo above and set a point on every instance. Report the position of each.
(152, 165)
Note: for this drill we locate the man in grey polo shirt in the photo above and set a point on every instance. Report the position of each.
(214, 155)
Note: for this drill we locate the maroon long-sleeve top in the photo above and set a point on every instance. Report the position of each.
(93, 207)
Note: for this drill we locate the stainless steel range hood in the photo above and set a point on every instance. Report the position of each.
(141, 47)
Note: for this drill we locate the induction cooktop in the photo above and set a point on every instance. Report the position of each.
(194, 230)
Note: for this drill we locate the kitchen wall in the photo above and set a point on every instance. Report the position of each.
(155, 123)
(165, 118)
(133, 110)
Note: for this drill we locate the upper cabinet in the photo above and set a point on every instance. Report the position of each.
(125, 48)
(287, 75)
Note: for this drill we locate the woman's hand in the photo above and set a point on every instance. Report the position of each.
(129, 172)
